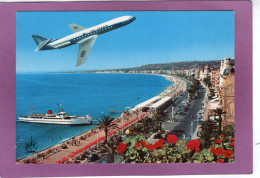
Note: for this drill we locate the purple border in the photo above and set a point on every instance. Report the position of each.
(243, 102)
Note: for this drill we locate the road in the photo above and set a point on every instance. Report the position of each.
(185, 126)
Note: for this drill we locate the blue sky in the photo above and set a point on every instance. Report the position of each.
(154, 37)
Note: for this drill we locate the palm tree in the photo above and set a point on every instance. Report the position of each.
(106, 123)
(219, 112)
(145, 124)
(159, 117)
(207, 133)
(137, 128)
(109, 149)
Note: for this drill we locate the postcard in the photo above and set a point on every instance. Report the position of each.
(90, 86)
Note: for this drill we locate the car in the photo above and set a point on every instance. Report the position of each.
(199, 121)
(92, 157)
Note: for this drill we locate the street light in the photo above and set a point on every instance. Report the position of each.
(128, 107)
(172, 111)
(97, 130)
(191, 124)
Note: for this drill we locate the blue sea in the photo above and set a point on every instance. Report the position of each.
(80, 94)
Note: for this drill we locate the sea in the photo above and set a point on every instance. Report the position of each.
(79, 94)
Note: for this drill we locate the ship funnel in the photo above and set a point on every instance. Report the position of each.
(49, 112)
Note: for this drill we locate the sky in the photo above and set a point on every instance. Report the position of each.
(154, 37)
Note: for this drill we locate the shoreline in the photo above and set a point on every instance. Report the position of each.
(177, 84)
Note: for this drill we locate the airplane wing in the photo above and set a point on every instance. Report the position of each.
(76, 28)
(84, 49)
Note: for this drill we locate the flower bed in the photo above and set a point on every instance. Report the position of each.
(137, 149)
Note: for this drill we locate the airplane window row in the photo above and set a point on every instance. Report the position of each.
(93, 32)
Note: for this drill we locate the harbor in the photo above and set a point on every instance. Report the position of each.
(92, 138)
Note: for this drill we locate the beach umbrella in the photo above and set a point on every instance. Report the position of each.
(78, 151)
(87, 146)
(65, 159)
(70, 156)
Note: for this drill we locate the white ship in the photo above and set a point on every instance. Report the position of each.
(56, 118)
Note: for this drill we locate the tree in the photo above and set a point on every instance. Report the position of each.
(219, 112)
(137, 128)
(109, 149)
(143, 126)
(207, 82)
(207, 133)
(159, 117)
(106, 123)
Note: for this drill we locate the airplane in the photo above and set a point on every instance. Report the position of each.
(85, 37)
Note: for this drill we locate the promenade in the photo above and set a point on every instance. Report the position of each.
(94, 137)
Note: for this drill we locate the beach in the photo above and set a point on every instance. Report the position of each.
(95, 136)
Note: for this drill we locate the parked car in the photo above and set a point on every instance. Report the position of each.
(199, 121)
(92, 157)
(186, 108)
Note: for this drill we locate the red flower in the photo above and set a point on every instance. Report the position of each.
(150, 147)
(219, 151)
(228, 154)
(232, 139)
(143, 143)
(159, 143)
(193, 145)
(232, 144)
(222, 136)
(220, 160)
(171, 139)
(217, 141)
(121, 148)
(212, 149)
(138, 144)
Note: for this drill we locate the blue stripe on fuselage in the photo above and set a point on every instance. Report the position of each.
(95, 32)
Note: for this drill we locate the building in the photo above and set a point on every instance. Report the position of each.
(214, 79)
(228, 96)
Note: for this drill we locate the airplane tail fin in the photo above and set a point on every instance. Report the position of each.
(38, 39)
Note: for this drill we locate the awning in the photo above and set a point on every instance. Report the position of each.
(148, 102)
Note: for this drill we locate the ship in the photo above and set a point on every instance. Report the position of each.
(56, 118)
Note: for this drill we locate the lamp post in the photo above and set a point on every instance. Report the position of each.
(122, 125)
(97, 137)
(191, 124)
(123, 119)
(172, 112)
(57, 152)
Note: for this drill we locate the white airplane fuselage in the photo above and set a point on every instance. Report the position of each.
(85, 37)
(81, 36)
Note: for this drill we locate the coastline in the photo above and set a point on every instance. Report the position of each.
(176, 85)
